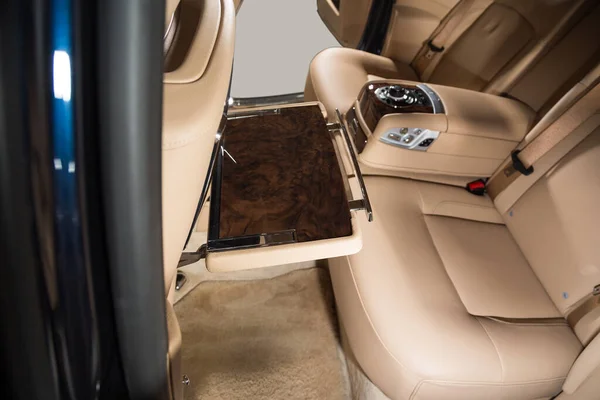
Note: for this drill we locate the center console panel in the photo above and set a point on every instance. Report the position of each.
(379, 99)
(406, 128)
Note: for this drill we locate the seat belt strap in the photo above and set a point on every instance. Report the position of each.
(585, 307)
(435, 45)
(522, 161)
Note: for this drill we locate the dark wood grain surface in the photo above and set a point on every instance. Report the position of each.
(286, 177)
(372, 109)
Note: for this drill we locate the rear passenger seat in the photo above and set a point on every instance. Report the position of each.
(456, 296)
(531, 50)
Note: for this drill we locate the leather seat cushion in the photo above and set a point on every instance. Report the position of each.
(337, 75)
(488, 269)
(404, 314)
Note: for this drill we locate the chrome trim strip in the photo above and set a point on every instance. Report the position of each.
(252, 241)
(169, 35)
(356, 167)
(169, 27)
(436, 102)
(333, 127)
(250, 113)
(243, 102)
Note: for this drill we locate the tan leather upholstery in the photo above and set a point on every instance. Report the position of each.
(558, 212)
(570, 13)
(483, 53)
(490, 253)
(448, 301)
(588, 362)
(336, 76)
(417, 17)
(404, 317)
(193, 101)
(202, 46)
(545, 82)
(488, 37)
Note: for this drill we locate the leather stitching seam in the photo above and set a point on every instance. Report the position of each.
(362, 304)
(458, 203)
(496, 348)
(475, 383)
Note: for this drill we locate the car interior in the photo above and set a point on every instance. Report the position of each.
(420, 223)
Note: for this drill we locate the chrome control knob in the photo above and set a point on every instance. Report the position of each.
(400, 95)
(396, 92)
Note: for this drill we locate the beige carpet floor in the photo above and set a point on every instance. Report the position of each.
(263, 339)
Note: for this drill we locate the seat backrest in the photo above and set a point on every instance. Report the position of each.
(498, 43)
(194, 94)
(554, 218)
(489, 35)
(542, 84)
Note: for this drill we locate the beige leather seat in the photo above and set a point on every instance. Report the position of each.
(500, 46)
(454, 296)
(204, 45)
(198, 47)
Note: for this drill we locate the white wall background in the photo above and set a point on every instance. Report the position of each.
(275, 42)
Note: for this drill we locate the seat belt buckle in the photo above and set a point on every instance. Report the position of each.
(432, 49)
(596, 290)
(476, 187)
(518, 164)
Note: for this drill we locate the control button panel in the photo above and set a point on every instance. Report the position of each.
(410, 138)
(426, 142)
